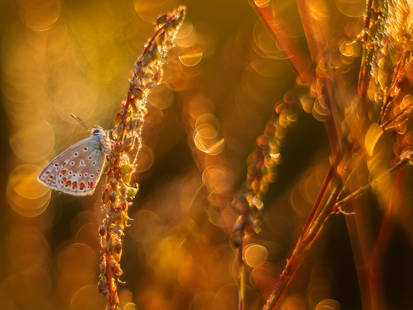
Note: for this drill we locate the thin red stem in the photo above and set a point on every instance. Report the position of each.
(301, 63)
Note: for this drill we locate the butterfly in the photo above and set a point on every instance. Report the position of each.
(77, 170)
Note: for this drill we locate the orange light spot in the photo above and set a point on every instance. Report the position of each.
(64, 164)
(82, 185)
(74, 185)
(68, 183)
(63, 172)
(90, 184)
(64, 179)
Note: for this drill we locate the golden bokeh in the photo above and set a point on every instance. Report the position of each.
(328, 304)
(255, 254)
(191, 58)
(257, 99)
(372, 137)
(39, 15)
(27, 146)
(25, 194)
(145, 159)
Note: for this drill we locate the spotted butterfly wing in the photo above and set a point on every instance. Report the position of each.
(77, 170)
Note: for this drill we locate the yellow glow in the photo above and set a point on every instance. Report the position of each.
(350, 49)
(28, 247)
(145, 159)
(39, 15)
(264, 43)
(351, 8)
(86, 297)
(25, 195)
(150, 10)
(208, 146)
(129, 306)
(218, 179)
(328, 304)
(373, 135)
(262, 3)
(255, 254)
(191, 59)
(161, 97)
(186, 36)
(318, 10)
(294, 302)
(34, 142)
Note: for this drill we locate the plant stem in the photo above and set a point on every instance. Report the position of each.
(301, 63)
(365, 187)
(313, 226)
(301, 249)
(363, 75)
(127, 141)
(241, 273)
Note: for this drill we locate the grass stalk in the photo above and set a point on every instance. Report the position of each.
(298, 59)
(302, 247)
(127, 141)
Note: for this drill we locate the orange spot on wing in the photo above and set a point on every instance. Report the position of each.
(74, 185)
(68, 183)
(90, 184)
(64, 179)
(63, 172)
(82, 185)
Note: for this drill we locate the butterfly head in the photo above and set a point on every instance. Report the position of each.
(104, 139)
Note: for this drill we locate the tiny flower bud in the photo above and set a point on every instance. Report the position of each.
(102, 230)
(116, 216)
(131, 192)
(102, 286)
(112, 196)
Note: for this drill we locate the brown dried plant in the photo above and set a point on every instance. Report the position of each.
(120, 188)
(386, 42)
(261, 172)
(359, 89)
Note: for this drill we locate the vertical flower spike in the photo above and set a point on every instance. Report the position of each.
(261, 172)
(127, 142)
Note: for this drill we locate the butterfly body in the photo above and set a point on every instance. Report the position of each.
(77, 170)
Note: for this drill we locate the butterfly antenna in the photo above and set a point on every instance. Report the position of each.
(81, 122)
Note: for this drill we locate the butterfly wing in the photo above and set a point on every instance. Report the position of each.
(76, 170)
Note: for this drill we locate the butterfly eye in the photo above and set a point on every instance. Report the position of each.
(72, 163)
(85, 149)
(56, 165)
(94, 163)
(90, 157)
(75, 154)
(85, 174)
(91, 176)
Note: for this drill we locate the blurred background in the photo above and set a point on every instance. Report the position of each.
(221, 82)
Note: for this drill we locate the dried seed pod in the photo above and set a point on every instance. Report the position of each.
(127, 136)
